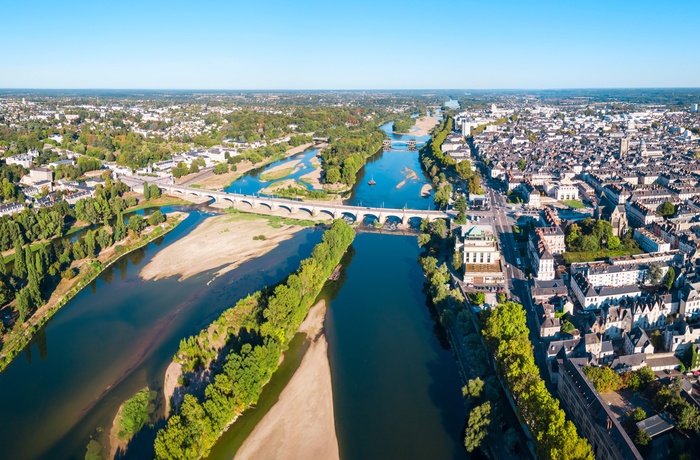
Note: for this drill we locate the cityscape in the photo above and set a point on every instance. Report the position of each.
(304, 244)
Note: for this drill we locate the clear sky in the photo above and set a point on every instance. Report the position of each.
(355, 44)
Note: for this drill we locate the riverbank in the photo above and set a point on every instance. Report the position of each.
(222, 242)
(301, 424)
(88, 271)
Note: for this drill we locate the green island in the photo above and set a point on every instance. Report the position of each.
(256, 331)
(133, 414)
(404, 124)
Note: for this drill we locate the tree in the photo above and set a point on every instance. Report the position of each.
(154, 191)
(589, 243)
(639, 414)
(522, 164)
(654, 275)
(691, 358)
(20, 268)
(477, 427)
(501, 297)
(156, 218)
(613, 242)
(473, 388)
(220, 168)
(146, 191)
(119, 229)
(477, 298)
(423, 239)
(567, 327)
(669, 278)
(667, 209)
(642, 438)
(136, 223)
(457, 260)
(603, 379)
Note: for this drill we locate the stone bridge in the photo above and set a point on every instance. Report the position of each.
(263, 205)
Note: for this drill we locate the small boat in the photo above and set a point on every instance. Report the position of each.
(371, 181)
(335, 275)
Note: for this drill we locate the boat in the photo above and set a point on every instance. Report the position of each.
(335, 275)
(371, 181)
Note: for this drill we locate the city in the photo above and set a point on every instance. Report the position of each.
(376, 230)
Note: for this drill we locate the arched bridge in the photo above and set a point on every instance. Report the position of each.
(263, 204)
(412, 144)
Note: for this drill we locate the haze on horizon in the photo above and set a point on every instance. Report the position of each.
(313, 44)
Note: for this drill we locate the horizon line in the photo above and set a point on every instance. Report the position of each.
(572, 88)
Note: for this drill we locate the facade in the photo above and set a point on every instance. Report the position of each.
(650, 242)
(592, 415)
(480, 256)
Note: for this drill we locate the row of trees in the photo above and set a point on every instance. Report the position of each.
(431, 155)
(257, 330)
(506, 334)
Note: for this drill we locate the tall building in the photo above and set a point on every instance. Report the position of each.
(624, 146)
(466, 128)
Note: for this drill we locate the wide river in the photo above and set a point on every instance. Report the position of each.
(396, 390)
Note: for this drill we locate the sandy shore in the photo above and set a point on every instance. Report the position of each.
(313, 178)
(221, 241)
(424, 125)
(286, 166)
(301, 424)
(425, 190)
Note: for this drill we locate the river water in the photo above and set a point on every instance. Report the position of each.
(396, 391)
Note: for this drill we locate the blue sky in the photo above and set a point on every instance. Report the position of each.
(357, 44)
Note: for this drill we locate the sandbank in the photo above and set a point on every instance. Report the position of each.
(301, 424)
(313, 178)
(222, 242)
(424, 125)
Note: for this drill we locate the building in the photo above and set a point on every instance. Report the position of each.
(11, 208)
(480, 256)
(592, 415)
(650, 242)
(38, 175)
(624, 146)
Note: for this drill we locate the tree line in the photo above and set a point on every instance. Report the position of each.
(257, 330)
(36, 270)
(506, 334)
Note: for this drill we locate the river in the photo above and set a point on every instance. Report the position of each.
(397, 173)
(396, 391)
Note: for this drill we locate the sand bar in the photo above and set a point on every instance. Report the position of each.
(424, 125)
(220, 241)
(301, 424)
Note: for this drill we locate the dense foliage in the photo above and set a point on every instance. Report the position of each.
(506, 334)
(257, 330)
(404, 124)
(345, 155)
(135, 413)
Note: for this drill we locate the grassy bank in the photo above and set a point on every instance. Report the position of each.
(20, 336)
(601, 254)
(275, 221)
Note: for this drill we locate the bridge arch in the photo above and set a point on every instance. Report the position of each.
(329, 212)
